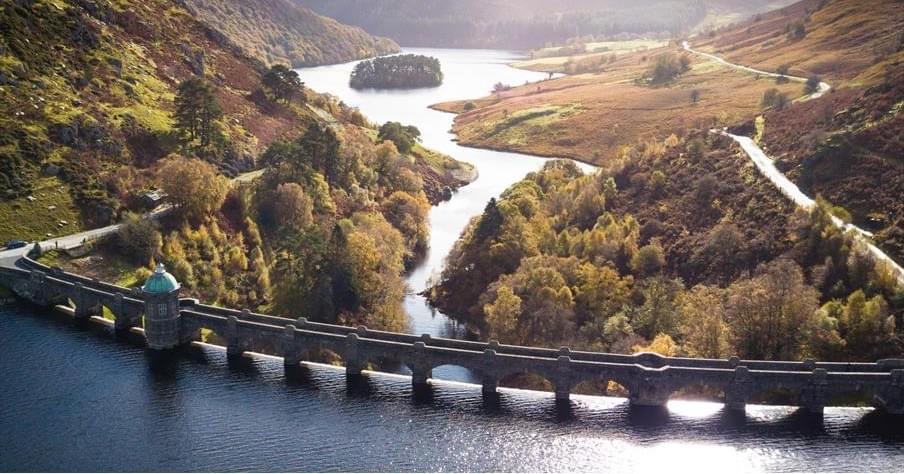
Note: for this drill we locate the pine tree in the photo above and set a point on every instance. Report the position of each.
(197, 110)
(283, 83)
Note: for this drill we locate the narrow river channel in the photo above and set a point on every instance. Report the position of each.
(468, 74)
(74, 399)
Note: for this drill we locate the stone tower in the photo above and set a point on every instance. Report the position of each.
(161, 309)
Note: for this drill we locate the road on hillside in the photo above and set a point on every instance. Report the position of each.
(75, 240)
(766, 166)
(8, 257)
(820, 91)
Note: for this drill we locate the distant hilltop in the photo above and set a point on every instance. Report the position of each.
(530, 24)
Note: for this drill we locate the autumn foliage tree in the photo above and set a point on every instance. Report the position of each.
(403, 136)
(768, 311)
(408, 214)
(193, 185)
(293, 206)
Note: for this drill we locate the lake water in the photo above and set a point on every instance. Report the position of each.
(74, 398)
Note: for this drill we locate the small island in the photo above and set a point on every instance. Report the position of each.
(397, 72)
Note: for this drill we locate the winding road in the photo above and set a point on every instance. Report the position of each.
(766, 166)
(820, 91)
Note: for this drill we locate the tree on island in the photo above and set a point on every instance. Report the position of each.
(395, 72)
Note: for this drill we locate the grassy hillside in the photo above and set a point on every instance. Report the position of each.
(280, 31)
(101, 101)
(589, 116)
(522, 24)
(567, 59)
(87, 96)
(87, 91)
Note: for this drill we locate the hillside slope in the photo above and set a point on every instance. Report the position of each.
(679, 245)
(523, 24)
(843, 40)
(87, 91)
(588, 116)
(102, 101)
(280, 31)
(847, 145)
(681, 249)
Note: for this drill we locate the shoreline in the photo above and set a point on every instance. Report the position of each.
(501, 149)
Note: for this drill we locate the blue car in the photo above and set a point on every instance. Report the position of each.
(16, 244)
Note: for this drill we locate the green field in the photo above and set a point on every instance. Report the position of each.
(41, 217)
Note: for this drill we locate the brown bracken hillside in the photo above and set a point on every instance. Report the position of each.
(845, 146)
(843, 40)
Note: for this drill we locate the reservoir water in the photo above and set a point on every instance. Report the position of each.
(75, 398)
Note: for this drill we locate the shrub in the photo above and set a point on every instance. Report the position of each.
(696, 148)
(651, 228)
(182, 270)
(657, 181)
(796, 30)
(812, 84)
(666, 67)
(782, 73)
(774, 99)
(705, 189)
(139, 239)
(648, 261)
(499, 88)
(470, 106)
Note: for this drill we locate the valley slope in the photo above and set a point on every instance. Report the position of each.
(678, 245)
(280, 31)
(526, 24)
(845, 145)
(103, 102)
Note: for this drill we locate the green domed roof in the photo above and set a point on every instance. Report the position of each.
(161, 281)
